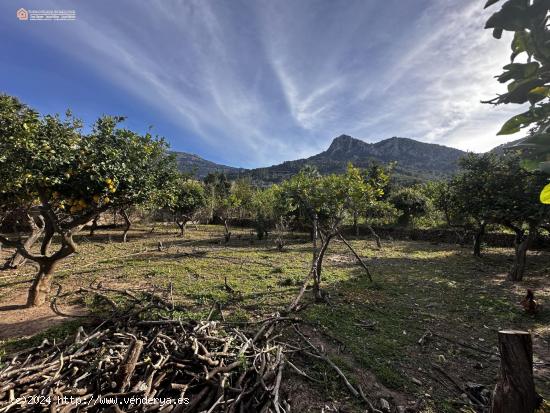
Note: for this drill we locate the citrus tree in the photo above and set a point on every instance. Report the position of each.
(377, 209)
(17, 122)
(326, 201)
(411, 202)
(63, 178)
(515, 207)
(217, 189)
(471, 197)
(271, 210)
(262, 207)
(495, 189)
(221, 202)
(143, 168)
(187, 199)
(529, 80)
(446, 203)
(242, 192)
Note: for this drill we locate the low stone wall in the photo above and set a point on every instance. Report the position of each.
(448, 236)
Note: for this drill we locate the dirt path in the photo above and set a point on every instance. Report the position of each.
(17, 321)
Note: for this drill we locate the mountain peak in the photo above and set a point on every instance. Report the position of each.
(343, 137)
(414, 158)
(344, 144)
(416, 161)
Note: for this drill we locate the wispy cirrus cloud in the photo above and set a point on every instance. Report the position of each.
(252, 83)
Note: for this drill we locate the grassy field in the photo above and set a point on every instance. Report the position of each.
(429, 318)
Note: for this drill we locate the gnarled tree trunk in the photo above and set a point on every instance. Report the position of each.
(93, 227)
(522, 244)
(128, 224)
(182, 225)
(17, 259)
(41, 285)
(515, 390)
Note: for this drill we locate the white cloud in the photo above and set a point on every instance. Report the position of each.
(262, 82)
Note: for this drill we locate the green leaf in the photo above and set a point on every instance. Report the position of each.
(545, 195)
(513, 125)
(521, 72)
(541, 90)
(522, 42)
(529, 165)
(513, 16)
(490, 3)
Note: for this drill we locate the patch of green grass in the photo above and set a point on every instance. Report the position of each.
(418, 288)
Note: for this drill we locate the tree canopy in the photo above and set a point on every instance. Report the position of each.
(528, 81)
(63, 177)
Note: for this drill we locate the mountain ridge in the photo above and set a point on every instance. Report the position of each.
(415, 161)
(200, 167)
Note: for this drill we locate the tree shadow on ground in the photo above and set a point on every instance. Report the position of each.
(425, 310)
(12, 307)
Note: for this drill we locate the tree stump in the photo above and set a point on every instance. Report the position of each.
(515, 390)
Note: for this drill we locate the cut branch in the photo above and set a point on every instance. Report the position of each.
(361, 262)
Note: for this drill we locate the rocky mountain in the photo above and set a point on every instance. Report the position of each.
(199, 167)
(414, 161)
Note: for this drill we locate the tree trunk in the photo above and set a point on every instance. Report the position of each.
(93, 227)
(42, 283)
(128, 225)
(515, 390)
(182, 225)
(321, 256)
(17, 259)
(477, 239)
(41, 286)
(522, 245)
(355, 225)
(375, 235)
(227, 233)
(404, 220)
(49, 232)
(314, 236)
(318, 269)
(314, 260)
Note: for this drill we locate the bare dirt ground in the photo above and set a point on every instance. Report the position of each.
(17, 321)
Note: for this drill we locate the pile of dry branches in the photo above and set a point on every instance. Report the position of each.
(165, 366)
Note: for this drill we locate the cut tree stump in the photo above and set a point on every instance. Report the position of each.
(515, 389)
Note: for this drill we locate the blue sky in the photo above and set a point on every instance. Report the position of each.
(256, 82)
